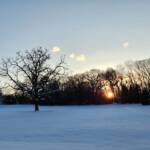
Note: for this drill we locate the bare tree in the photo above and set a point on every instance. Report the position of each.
(94, 78)
(112, 77)
(31, 72)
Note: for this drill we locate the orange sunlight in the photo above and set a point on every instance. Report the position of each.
(109, 95)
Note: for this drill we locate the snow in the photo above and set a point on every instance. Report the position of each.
(106, 127)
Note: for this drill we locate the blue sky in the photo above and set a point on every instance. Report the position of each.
(91, 33)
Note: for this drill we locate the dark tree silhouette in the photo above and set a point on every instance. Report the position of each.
(94, 77)
(35, 80)
(111, 77)
(31, 72)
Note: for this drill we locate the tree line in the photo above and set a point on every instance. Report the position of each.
(34, 79)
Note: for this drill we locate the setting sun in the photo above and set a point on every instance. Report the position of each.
(108, 92)
(110, 95)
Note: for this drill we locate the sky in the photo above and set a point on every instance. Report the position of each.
(90, 33)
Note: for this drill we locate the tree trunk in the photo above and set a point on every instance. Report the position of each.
(114, 95)
(36, 105)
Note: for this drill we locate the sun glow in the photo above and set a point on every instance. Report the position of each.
(109, 95)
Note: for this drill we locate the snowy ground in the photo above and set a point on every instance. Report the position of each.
(108, 127)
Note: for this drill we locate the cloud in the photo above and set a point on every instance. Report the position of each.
(55, 49)
(72, 55)
(81, 58)
(125, 44)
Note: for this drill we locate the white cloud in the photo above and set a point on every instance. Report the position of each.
(81, 58)
(72, 55)
(55, 49)
(125, 44)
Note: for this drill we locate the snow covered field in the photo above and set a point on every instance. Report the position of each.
(107, 127)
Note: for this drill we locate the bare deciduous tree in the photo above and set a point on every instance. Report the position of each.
(94, 78)
(31, 72)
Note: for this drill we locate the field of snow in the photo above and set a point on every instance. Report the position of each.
(107, 127)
